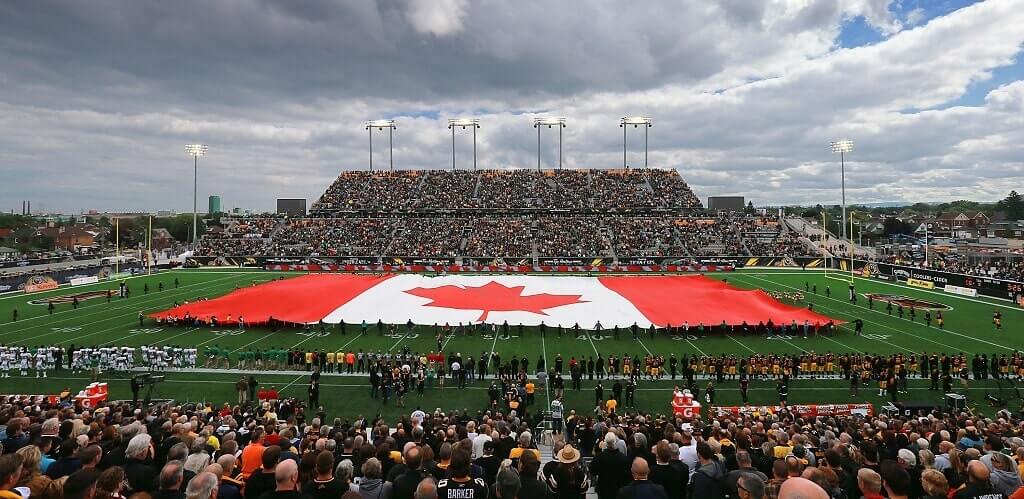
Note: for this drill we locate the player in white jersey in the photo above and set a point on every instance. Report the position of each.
(5, 363)
(23, 355)
(40, 358)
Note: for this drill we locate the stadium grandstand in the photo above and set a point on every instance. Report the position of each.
(520, 214)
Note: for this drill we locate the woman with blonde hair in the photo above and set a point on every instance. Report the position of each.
(956, 474)
(32, 477)
(934, 484)
(111, 483)
(926, 459)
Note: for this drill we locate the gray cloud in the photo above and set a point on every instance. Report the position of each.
(100, 96)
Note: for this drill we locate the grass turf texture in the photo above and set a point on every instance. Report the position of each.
(968, 329)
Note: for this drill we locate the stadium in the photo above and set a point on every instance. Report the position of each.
(498, 328)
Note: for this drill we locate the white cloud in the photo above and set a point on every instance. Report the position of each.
(436, 17)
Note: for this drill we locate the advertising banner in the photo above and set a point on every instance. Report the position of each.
(921, 283)
(984, 286)
(43, 285)
(79, 281)
(960, 290)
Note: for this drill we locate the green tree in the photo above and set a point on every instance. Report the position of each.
(1013, 205)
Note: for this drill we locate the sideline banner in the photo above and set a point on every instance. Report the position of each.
(920, 283)
(44, 285)
(802, 410)
(960, 290)
(79, 281)
(983, 285)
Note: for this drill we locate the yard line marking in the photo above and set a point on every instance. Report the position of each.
(245, 345)
(591, 340)
(493, 344)
(144, 299)
(292, 382)
(897, 330)
(744, 345)
(695, 347)
(406, 335)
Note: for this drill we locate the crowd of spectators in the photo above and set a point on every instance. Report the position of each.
(1011, 270)
(523, 236)
(334, 236)
(282, 449)
(500, 237)
(507, 189)
(577, 237)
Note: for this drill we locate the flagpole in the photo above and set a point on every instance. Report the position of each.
(117, 246)
(149, 247)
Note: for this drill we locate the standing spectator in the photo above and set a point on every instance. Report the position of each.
(934, 484)
(610, 468)
(10, 472)
(978, 484)
(750, 487)
(373, 486)
(324, 485)
(81, 484)
(138, 466)
(708, 479)
(263, 480)
(531, 486)
(286, 479)
(507, 484)
(172, 478)
(641, 488)
(896, 480)
(870, 484)
(745, 466)
(674, 476)
(568, 480)
(41, 485)
(203, 486)
(458, 483)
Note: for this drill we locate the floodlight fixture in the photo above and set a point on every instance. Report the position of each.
(380, 125)
(636, 121)
(842, 146)
(454, 123)
(195, 150)
(550, 121)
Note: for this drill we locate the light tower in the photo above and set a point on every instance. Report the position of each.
(636, 121)
(195, 150)
(550, 122)
(843, 147)
(380, 125)
(473, 123)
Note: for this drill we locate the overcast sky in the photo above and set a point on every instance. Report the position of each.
(98, 98)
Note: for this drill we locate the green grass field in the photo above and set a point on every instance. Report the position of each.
(968, 329)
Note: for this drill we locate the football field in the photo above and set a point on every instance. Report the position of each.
(968, 329)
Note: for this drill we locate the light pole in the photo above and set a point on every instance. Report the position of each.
(636, 121)
(842, 147)
(550, 122)
(463, 122)
(195, 150)
(380, 125)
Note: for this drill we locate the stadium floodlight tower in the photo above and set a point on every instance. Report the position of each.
(549, 122)
(380, 125)
(195, 150)
(843, 147)
(473, 123)
(636, 121)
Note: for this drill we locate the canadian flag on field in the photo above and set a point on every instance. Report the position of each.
(528, 299)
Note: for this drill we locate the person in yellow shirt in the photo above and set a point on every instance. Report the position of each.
(530, 388)
(610, 405)
(330, 361)
(309, 360)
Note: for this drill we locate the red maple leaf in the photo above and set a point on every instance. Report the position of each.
(492, 297)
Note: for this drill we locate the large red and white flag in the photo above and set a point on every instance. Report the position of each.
(518, 299)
